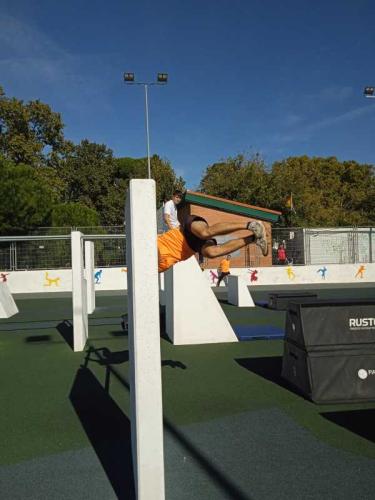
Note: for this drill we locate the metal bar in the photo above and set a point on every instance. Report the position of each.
(147, 134)
(34, 238)
(104, 237)
(370, 246)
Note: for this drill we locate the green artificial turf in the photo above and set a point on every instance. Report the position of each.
(48, 392)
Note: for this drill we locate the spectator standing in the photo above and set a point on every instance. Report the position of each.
(281, 255)
(224, 270)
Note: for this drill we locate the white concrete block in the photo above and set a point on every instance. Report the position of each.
(238, 293)
(144, 340)
(193, 314)
(79, 294)
(8, 307)
(89, 275)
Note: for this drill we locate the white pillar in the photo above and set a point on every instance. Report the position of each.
(79, 294)
(238, 293)
(144, 340)
(89, 274)
(192, 313)
(8, 307)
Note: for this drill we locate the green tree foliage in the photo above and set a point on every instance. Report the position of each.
(240, 179)
(26, 201)
(30, 133)
(74, 215)
(161, 170)
(88, 173)
(326, 192)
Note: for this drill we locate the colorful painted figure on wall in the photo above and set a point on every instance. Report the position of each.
(360, 272)
(290, 273)
(253, 275)
(323, 272)
(51, 281)
(98, 276)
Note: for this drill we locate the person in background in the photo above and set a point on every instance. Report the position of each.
(170, 210)
(224, 270)
(281, 255)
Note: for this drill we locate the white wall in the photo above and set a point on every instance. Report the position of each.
(115, 278)
(297, 275)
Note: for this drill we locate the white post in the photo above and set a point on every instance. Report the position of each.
(192, 313)
(144, 340)
(80, 320)
(238, 293)
(8, 307)
(89, 273)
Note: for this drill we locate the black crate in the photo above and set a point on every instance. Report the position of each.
(326, 324)
(331, 376)
(280, 301)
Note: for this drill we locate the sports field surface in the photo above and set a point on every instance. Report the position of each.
(233, 428)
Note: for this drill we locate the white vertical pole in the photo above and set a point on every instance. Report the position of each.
(144, 340)
(80, 320)
(147, 134)
(89, 273)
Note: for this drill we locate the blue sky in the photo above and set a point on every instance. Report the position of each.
(245, 76)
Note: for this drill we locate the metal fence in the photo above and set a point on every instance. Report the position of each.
(20, 253)
(306, 246)
(303, 247)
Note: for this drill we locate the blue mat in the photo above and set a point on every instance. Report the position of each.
(261, 303)
(258, 332)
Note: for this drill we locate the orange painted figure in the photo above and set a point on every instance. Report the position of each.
(360, 272)
(196, 236)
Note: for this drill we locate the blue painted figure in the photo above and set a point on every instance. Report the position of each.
(322, 272)
(98, 276)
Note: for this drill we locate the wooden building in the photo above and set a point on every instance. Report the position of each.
(215, 209)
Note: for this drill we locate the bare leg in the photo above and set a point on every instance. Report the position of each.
(212, 251)
(205, 232)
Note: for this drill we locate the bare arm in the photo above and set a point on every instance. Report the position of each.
(167, 220)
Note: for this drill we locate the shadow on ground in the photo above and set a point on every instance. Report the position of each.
(360, 422)
(108, 430)
(65, 328)
(270, 369)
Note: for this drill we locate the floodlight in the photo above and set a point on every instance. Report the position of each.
(162, 77)
(369, 92)
(129, 77)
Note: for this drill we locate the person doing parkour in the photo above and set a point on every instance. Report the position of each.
(196, 236)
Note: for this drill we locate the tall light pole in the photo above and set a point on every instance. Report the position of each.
(162, 79)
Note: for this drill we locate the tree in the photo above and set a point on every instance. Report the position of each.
(161, 170)
(88, 172)
(30, 133)
(74, 215)
(239, 179)
(26, 201)
(326, 192)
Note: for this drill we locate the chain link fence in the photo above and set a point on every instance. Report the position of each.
(21, 253)
(303, 246)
